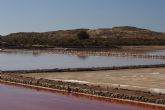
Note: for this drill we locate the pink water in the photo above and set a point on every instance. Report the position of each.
(20, 98)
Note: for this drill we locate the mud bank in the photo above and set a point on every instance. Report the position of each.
(82, 69)
(88, 89)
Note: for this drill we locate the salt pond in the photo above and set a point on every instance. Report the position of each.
(29, 60)
(20, 98)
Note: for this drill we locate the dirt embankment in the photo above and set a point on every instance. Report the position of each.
(117, 92)
(148, 79)
(83, 69)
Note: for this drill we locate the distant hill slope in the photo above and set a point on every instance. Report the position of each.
(105, 37)
(126, 32)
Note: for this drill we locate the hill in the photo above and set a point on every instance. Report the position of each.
(105, 37)
(126, 32)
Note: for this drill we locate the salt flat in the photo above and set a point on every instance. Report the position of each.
(150, 78)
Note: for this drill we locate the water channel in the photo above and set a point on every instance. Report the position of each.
(14, 97)
(30, 60)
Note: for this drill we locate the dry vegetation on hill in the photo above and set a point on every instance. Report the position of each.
(106, 37)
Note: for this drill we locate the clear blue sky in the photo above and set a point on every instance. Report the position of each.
(49, 15)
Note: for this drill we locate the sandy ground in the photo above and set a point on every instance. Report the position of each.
(136, 78)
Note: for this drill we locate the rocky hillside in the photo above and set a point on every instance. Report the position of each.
(106, 37)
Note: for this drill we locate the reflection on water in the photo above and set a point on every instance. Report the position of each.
(27, 60)
(82, 57)
(157, 52)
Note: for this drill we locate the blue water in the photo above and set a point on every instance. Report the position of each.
(28, 60)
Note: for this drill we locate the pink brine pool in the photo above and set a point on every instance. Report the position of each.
(20, 98)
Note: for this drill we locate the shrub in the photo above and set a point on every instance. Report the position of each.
(83, 35)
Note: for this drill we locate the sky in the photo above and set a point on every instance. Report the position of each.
(51, 15)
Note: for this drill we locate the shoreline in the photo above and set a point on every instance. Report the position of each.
(95, 97)
(89, 89)
(82, 69)
(147, 79)
(95, 93)
(123, 51)
(122, 47)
